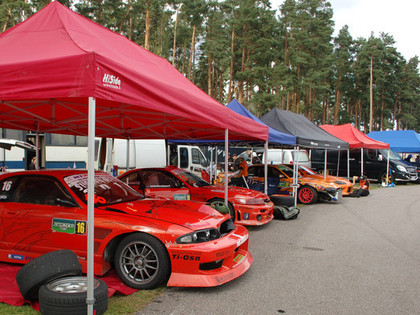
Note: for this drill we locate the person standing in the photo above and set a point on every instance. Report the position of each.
(32, 166)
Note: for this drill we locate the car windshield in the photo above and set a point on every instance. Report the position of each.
(190, 178)
(307, 170)
(108, 190)
(286, 170)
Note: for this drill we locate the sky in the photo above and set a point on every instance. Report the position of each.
(397, 18)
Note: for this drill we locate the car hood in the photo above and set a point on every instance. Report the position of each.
(317, 183)
(330, 178)
(234, 191)
(193, 215)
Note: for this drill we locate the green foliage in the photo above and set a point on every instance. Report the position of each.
(263, 57)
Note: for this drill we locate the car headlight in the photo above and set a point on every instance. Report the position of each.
(251, 201)
(401, 168)
(200, 236)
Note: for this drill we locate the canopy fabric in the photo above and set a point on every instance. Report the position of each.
(274, 136)
(306, 132)
(354, 137)
(51, 63)
(406, 141)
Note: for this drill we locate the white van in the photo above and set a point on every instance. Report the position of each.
(68, 151)
(284, 156)
(150, 153)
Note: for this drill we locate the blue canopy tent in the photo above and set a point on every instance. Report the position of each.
(406, 141)
(275, 137)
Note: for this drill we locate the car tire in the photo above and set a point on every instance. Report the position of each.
(215, 202)
(142, 261)
(283, 200)
(382, 178)
(45, 268)
(307, 195)
(68, 296)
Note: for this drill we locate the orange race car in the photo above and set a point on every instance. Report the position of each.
(310, 190)
(246, 206)
(345, 185)
(148, 241)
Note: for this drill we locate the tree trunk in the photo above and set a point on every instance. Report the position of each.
(175, 26)
(147, 34)
(371, 94)
(337, 106)
(190, 62)
(232, 46)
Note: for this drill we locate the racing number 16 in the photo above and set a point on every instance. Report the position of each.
(80, 227)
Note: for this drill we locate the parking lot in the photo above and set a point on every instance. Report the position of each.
(361, 256)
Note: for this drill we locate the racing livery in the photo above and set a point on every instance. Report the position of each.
(345, 185)
(246, 206)
(148, 241)
(310, 189)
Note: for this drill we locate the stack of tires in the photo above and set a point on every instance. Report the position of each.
(55, 279)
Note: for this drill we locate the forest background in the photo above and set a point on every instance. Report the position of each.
(265, 58)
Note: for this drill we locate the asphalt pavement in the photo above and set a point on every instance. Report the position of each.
(359, 256)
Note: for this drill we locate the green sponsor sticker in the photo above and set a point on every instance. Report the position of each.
(64, 226)
(181, 197)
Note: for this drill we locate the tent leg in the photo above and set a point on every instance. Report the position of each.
(265, 167)
(226, 165)
(90, 300)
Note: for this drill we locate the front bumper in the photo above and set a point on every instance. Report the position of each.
(405, 176)
(211, 263)
(253, 214)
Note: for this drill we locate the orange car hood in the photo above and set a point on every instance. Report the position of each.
(234, 191)
(190, 214)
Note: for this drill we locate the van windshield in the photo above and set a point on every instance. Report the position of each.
(392, 155)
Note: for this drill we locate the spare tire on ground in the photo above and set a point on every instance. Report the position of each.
(285, 213)
(45, 268)
(68, 296)
(282, 200)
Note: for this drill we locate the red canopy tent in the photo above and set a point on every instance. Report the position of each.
(62, 73)
(52, 62)
(356, 140)
(354, 137)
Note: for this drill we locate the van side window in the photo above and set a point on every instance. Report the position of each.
(372, 154)
(183, 153)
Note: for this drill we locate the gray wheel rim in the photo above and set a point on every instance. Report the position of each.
(139, 262)
(70, 285)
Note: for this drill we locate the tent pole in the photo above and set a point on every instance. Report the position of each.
(37, 165)
(338, 162)
(226, 164)
(387, 168)
(127, 158)
(295, 180)
(211, 164)
(265, 167)
(325, 164)
(90, 300)
(361, 166)
(297, 172)
(168, 154)
(348, 163)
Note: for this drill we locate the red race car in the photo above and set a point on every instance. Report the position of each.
(148, 241)
(246, 206)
